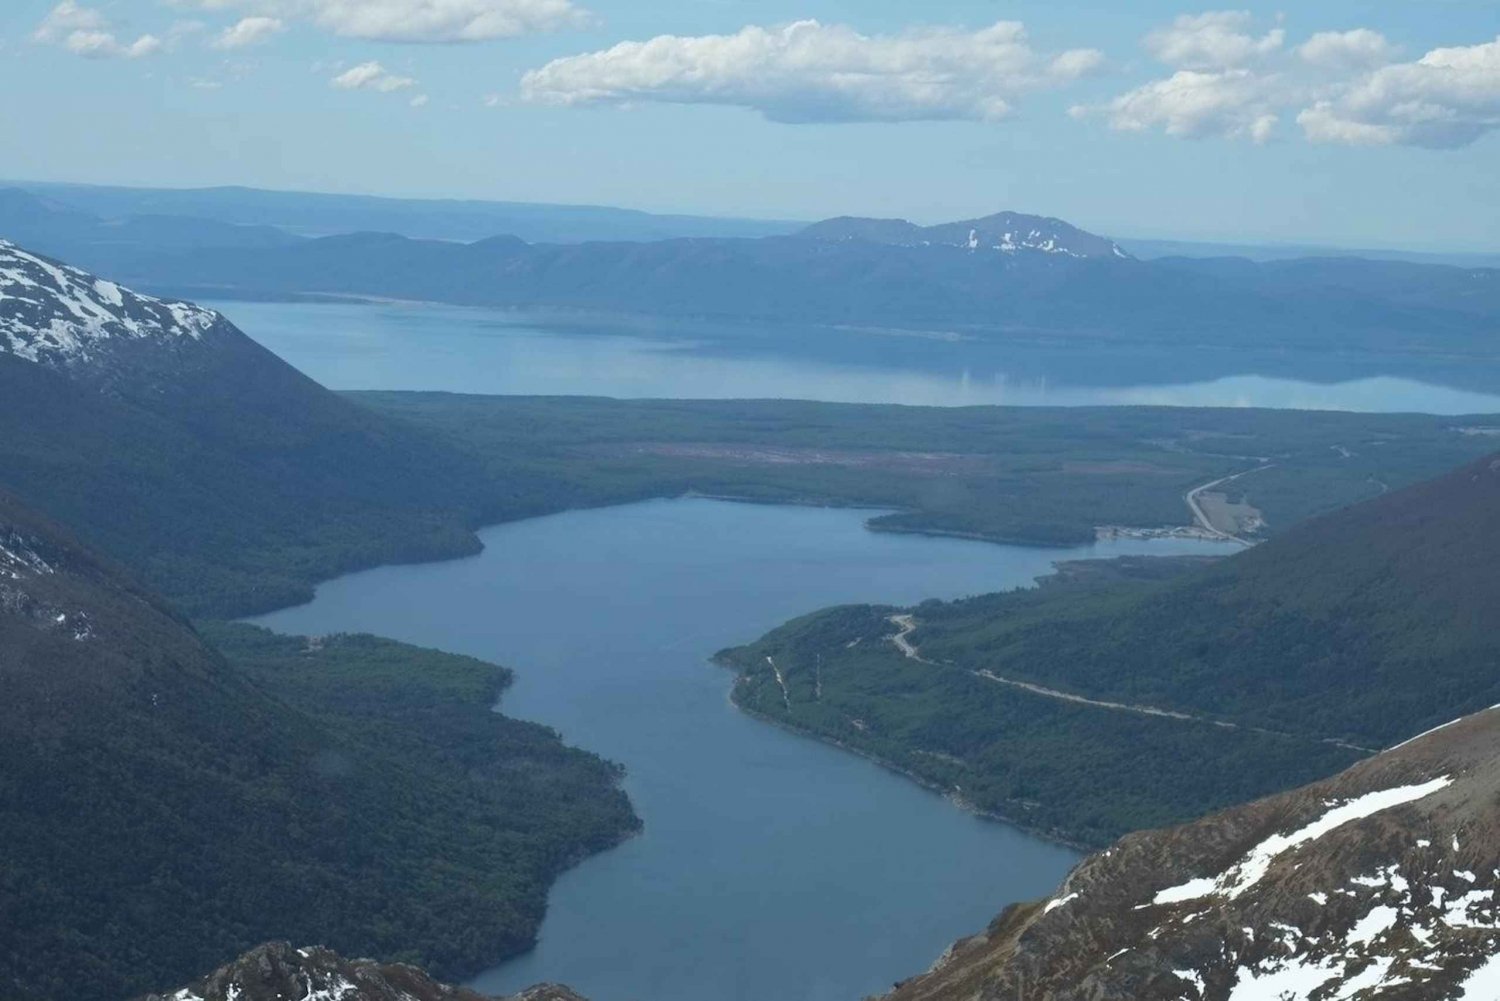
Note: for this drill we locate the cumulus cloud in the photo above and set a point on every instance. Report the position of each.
(814, 72)
(1341, 86)
(1357, 49)
(86, 32)
(1450, 97)
(249, 31)
(1215, 40)
(371, 76)
(1193, 104)
(415, 20)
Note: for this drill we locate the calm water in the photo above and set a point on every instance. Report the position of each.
(772, 867)
(402, 346)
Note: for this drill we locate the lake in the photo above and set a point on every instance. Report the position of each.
(457, 349)
(771, 866)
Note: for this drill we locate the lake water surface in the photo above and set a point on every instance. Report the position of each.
(455, 349)
(772, 867)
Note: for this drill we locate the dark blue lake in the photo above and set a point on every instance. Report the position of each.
(772, 867)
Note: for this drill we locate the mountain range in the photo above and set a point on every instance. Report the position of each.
(1002, 277)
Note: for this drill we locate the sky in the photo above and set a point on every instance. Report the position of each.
(1362, 124)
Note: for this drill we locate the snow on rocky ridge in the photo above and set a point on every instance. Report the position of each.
(1378, 883)
(278, 972)
(58, 315)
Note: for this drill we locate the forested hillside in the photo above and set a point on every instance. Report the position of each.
(225, 478)
(1089, 708)
(164, 806)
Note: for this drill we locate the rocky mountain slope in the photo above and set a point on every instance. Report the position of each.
(225, 478)
(163, 806)
(1379, 882)
(278, 972)
(1005, 232)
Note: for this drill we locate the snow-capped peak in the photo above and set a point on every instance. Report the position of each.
(58, 315)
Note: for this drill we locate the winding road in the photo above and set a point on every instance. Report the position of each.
(906, 624)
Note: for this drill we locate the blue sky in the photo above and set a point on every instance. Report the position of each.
(1146, 119)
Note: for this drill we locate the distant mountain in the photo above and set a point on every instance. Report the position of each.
(163, 807)
(223, 476)
(1378, 883)
(1006, 232)
(1053, 284)
(314, 214)
(278, 972)
(1090, 707)
(110, 245)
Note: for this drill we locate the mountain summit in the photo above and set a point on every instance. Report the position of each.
(1003, 232)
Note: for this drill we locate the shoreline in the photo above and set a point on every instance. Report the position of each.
(954, 799)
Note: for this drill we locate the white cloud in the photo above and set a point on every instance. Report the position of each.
(415, 20)
(86, 32)
(420, 101)
(1341, 86)
(371, 76)
(1357, 49)
(249, 31)
(1215, 40)
(814, 72)
(1450, 97)
(1190, 104)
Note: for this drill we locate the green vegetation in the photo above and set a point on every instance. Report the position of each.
(164, 808)
(1046, 476)
(1355, 630)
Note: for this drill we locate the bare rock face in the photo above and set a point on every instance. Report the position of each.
(278, 972)
(1379, 882)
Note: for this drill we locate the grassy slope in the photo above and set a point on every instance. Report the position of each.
(1364, 626)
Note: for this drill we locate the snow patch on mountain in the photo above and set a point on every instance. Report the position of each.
(18, 559)
(1257, 862)
(58, 315)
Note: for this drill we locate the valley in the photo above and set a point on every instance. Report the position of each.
(691, 500)
(1128, 691)
(612, 616)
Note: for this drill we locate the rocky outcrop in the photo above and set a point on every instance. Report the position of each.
(1379, 882)
(279, 972)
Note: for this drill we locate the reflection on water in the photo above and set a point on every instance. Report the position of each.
(454, 349)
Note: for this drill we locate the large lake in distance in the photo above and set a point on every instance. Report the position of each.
(772, 867)
(463, 350)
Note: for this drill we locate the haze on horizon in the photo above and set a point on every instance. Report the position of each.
(1350, 124)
